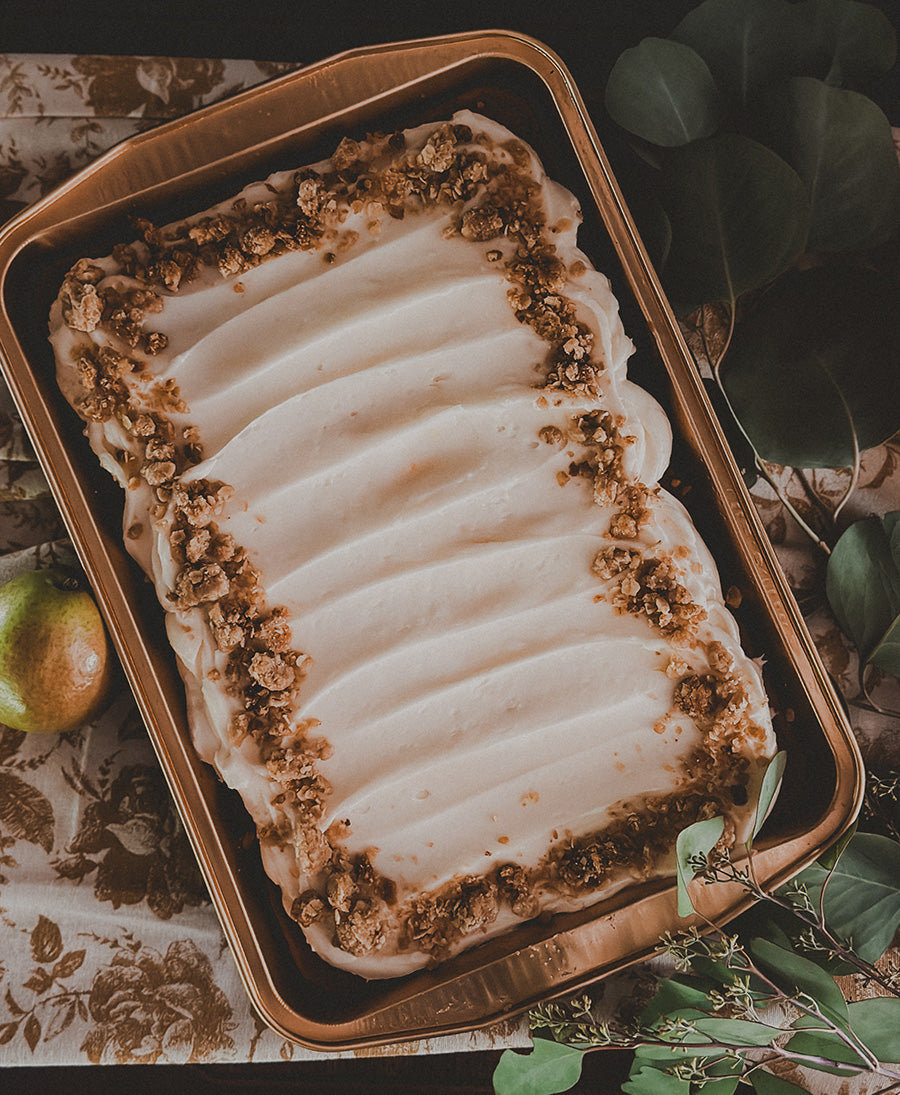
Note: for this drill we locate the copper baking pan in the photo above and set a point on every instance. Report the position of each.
(184, 166)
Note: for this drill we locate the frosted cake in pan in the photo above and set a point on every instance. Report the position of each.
(464, 659)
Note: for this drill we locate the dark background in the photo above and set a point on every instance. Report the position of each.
(588, 35)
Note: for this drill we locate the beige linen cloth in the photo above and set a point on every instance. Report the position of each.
(109, 948)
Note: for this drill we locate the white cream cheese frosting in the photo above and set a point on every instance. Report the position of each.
(498, 642)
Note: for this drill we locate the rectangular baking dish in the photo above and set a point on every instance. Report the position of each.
(185, 166)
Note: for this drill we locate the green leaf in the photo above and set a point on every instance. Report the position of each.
(550, 1067)
(768, 790)
(739, 218)
(862, 582)
(638, 184)
(651, 1072)
(644, 1079)
(829, 858)
(784, 929)
(766, 1084)
(741, 1032)
(840, 144)
(746, 43)
(674, 994)
(844, 42)
(663, 92)
(725, 1086)
(862, 898)
(877, 1024)
(697, 839)
(825, 1044)
(667, 1056)
(795, 973)
(887, 654)
(816, 361)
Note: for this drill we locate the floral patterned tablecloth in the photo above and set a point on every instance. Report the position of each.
(109, 948)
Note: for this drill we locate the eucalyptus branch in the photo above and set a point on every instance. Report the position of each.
(675, 1032)
(878, 791)
(808, 1006)
(723, 870)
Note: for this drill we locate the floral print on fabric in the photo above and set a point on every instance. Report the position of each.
(149, 1007)
(163, 87)
(131, 836)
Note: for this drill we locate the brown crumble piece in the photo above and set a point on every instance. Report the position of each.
(634, 513)
(356, 898)
(435, 922)
(516, 889)
(361, 929)
(308, 908)
(649, 587)
(698, 696)
(635, 842)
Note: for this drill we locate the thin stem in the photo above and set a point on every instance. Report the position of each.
(781, 1054)
(854, 478)
(646, 1040)
(803, 480)
(788, 504)
(757, 459)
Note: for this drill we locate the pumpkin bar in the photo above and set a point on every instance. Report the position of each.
(465, 660)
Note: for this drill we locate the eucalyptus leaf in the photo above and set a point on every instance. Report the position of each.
(769, 788)
(844, 42)
(795, 973)
(741, 1032)
(862, 895)
(739, 218)
(839, 143)
(674, 995)
(549, 1068)
(638, 186)
(877, 1024)
(644, 1079)
(782, 927)
(827, 1045)
(721, 1087)
(829, 858)
(817, 363)
(887, 654)
(663, 91)
(746, 43)
(697, 839)
(717, 973)
(668, 1056)
(862, 583)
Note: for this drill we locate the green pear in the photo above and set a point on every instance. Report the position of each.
(56, 664)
